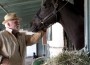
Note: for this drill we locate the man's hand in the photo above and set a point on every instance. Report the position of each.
(5, 61)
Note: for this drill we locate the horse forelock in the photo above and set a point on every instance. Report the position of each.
(47, 4)
(45, 10)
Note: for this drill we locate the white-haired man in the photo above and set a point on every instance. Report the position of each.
(13, 43)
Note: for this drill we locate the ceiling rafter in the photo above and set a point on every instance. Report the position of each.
(26, 9)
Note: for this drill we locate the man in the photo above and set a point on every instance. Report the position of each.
(13, 43)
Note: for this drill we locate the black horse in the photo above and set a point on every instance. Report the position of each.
(53, 11)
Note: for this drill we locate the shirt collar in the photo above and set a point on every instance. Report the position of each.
(9, 30)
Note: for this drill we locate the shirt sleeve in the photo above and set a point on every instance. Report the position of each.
(0, 50)
(0, 43)
(32, 39)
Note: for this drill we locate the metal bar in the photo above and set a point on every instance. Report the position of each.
(3, 8)
(86, 24)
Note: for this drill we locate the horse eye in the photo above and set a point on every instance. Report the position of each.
(44, 4)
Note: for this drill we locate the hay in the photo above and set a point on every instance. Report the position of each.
(69, 58)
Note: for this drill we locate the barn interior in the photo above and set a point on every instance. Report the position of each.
(26, 9)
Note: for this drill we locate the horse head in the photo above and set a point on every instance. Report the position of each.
(45, 16)
(67, 14)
